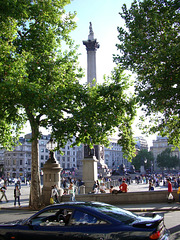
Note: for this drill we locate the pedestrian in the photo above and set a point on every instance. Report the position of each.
(17, 195)
(3, 192)
(178, 192)
(170, 196)
(123, 187)
(54, 194)
(72, 192)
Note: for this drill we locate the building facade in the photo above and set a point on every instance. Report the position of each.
(17, 163)
(114, 155)
(159, 145)
(141, 143)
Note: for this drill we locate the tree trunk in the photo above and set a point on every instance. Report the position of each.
(35, 190)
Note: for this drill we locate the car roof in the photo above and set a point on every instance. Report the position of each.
(91, 204)
(86, 206)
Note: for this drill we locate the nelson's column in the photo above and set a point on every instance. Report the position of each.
(92, 157)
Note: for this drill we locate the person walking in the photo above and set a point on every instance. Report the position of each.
(72, 192)
(170, 196)
(3, 192)
(17, 195)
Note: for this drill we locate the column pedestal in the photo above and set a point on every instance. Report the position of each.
(51, 177)
(142, 170)
(89, 172)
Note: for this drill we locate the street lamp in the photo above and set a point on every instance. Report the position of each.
(51, 145)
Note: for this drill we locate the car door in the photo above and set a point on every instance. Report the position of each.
(40, 233)
(47, 225)
(83, 225)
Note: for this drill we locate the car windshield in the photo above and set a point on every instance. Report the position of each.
(114, 212)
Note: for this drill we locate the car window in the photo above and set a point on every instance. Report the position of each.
(119, 214)
(57, 217)
(114, 212)
(83, 218)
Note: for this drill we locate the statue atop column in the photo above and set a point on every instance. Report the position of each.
(88, 152)
(91, 44)
(91, 33)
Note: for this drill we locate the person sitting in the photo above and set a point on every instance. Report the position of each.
(96, 190)
(123, 187)
(103, 188)
(111, 189)
(151, 187)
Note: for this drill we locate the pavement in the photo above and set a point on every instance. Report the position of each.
(150, 207)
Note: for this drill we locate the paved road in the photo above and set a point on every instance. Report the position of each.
(171, 211)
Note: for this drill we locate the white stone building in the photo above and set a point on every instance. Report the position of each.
(114, 155)
(159, 145)
(141, 143)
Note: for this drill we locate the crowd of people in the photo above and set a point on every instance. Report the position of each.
(71, 186)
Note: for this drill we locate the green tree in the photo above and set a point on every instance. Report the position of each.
(143, 157)
(10, 121)
(40, 84)
(150, 47)
(166, 159)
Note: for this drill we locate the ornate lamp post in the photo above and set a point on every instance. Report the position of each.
(51, 173)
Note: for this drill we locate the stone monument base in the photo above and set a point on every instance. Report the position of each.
(89, 173)
(51, 177)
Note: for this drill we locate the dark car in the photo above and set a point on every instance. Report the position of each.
(85, 220)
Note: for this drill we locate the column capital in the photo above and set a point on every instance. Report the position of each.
(91, 45)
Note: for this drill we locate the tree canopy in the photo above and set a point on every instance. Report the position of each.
(40, 84)
(143, 158)
(166, 159)
(150, 47)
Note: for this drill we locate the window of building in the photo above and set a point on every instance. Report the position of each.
(42, 157)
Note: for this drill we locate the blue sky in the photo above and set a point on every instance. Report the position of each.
(105, 18)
